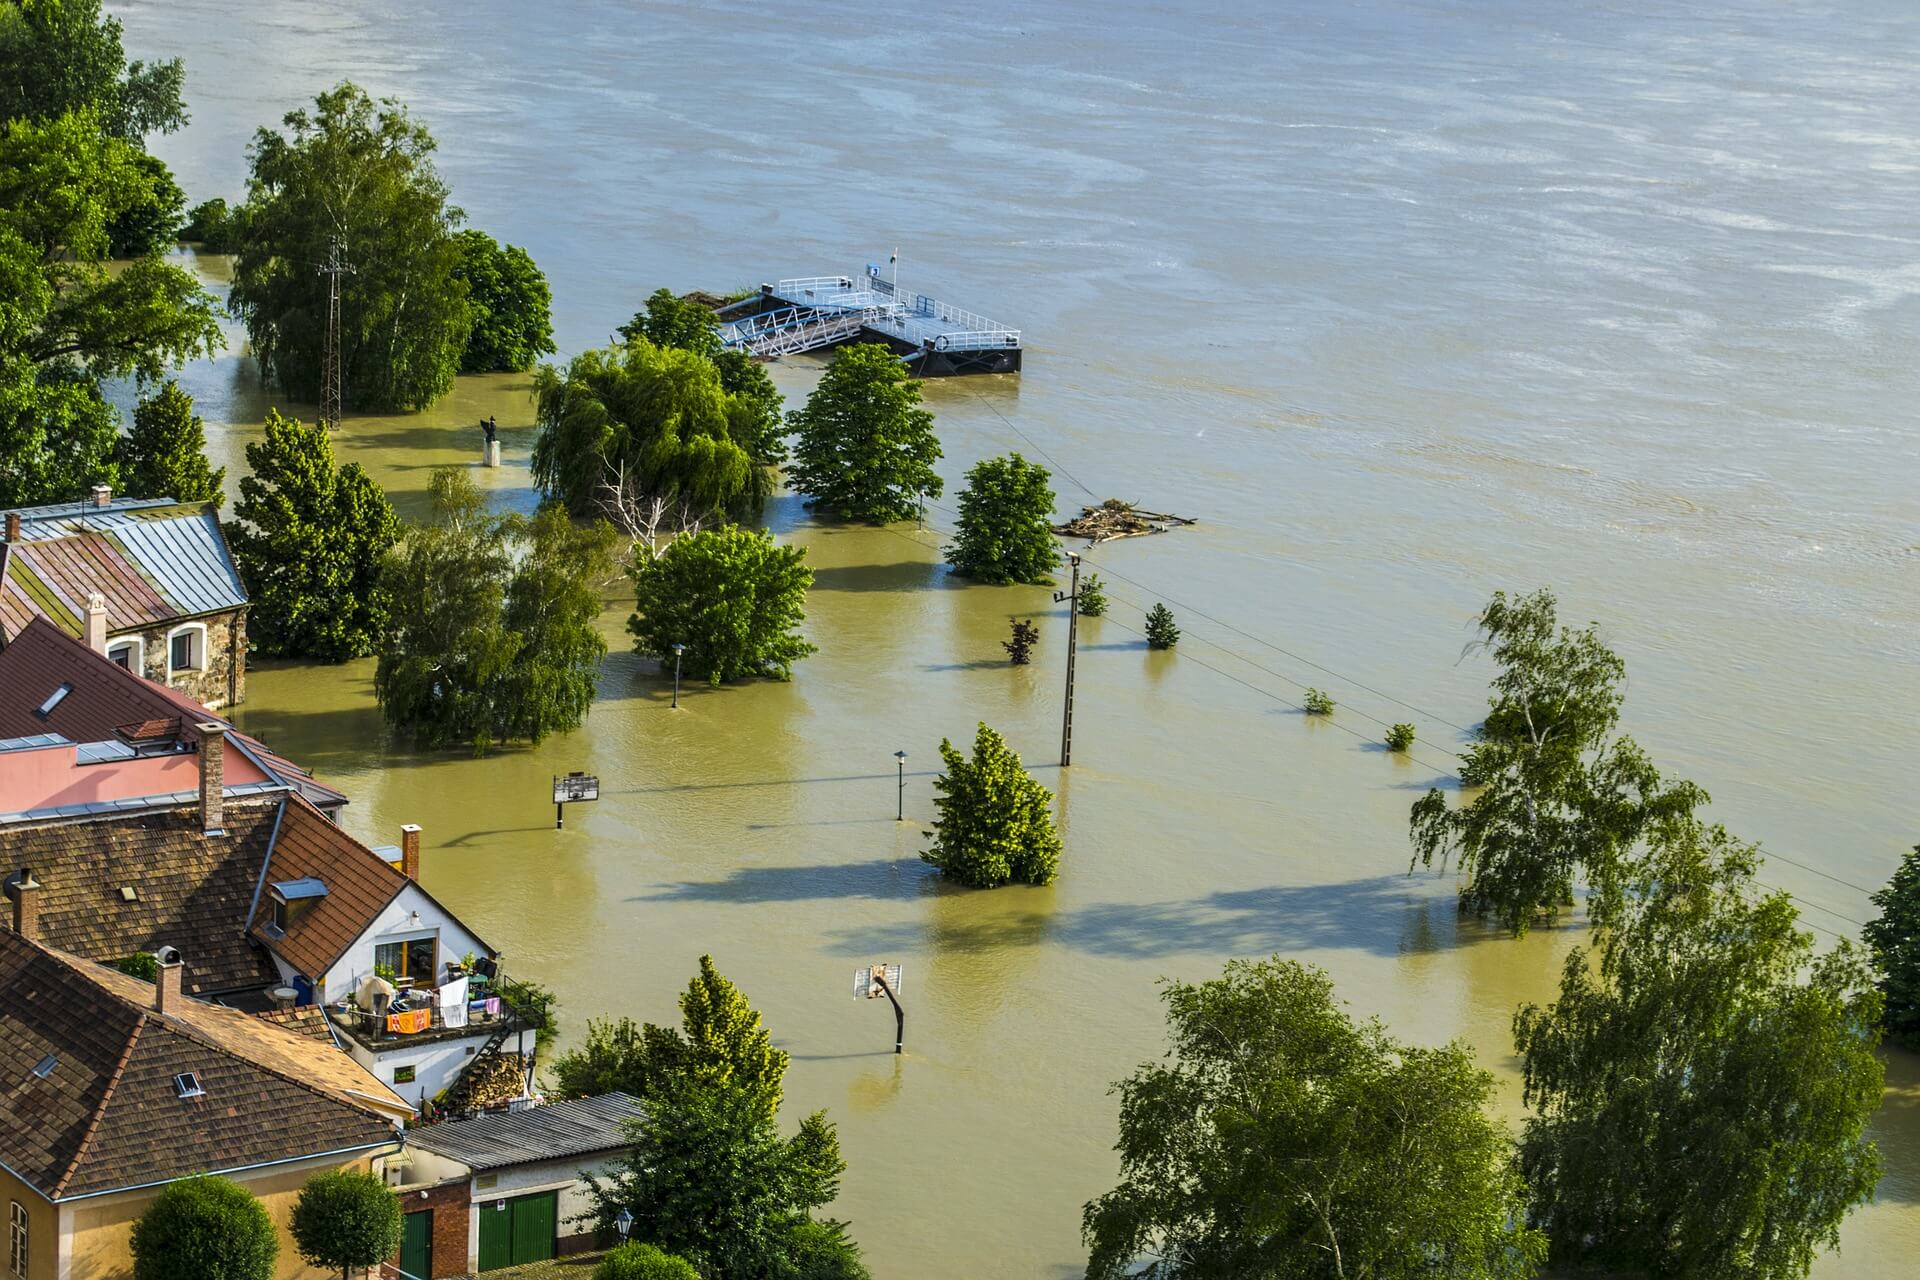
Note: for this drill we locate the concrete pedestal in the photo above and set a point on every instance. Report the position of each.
(492, 453)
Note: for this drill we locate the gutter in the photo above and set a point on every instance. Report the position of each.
(391, 1143)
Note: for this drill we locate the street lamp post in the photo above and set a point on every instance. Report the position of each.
(623, 1222)
(678, 649)
(900, 809)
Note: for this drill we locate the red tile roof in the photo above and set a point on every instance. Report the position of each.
(360, 884)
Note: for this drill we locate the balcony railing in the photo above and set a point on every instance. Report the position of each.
(426, 1022)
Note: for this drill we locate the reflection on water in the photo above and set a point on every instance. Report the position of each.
(1406, 303)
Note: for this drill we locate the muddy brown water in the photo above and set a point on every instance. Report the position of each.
(1408, 302)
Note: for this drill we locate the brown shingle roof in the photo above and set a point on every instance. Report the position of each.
(106, 698)
(360, 884)
(191, 891)
(307, 1020)
(107, 1114)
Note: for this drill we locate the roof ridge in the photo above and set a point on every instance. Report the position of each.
(106, 1094)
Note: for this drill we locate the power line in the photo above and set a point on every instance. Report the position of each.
(1030, 440)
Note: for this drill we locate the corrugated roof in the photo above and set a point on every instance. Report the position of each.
(538, 1133)
(153, 562)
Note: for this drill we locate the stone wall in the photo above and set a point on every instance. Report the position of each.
(221, 680)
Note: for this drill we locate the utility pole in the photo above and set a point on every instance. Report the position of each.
(331, 391)
(1072, 597)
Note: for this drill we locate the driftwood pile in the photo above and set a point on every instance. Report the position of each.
(1116, 519)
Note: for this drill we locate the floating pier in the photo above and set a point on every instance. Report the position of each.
(934, 338)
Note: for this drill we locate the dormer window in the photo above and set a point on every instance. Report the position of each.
(129, 653)
(292, 899)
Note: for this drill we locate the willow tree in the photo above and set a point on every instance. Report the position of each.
(1702, 1086)
(360, 174)
(1560, 795)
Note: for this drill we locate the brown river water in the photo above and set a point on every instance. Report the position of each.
(1407, 301)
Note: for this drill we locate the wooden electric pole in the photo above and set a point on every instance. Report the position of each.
(1072, 597)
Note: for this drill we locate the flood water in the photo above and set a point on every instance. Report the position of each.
(1408, 302)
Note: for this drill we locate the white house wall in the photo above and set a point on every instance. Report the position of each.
(436, 1064)
(394, 923)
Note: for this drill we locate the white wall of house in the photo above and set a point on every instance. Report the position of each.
(565, 1176)
(412, 914)
(436, 1064)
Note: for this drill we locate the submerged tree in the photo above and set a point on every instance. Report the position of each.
(1282, 1139)
(1162, 632)
(865, 448)
(1894, 939)
(1091, 599)
(1019, 645)
(733, 598)
(1703, 1083)
(362, 175)
(995, 822)
(1560, 796)
(309, 539)
(1005, 531)
(512, 305)
(164, 455)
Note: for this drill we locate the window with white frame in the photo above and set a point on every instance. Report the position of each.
(187, 648)
(17, 1240)
(129, 653)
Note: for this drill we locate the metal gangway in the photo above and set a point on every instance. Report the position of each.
(806, 313)
(792, 330)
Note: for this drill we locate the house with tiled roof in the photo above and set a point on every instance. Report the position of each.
(111, 1088)
(149, 582)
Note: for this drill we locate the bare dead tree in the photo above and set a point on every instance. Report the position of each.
(645, 518)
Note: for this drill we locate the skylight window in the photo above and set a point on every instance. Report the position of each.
(44, 1068)
(54, 699)
(187, 1085)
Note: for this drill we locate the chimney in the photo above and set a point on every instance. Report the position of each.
(26, 905)
(410, 851)
(166, 981)
(103, 496)
(213, 745)
(97, 622)
(13, 526)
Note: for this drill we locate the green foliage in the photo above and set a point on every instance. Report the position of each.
(636, 1261)
(152, 223)
(1400, 738)
(1005, 530)
(756, 420)
(822, 1250)
(733, 597)
(640, 421)
(710, 1178)
(309, 539)
(1560, 795)
(346, 1219)
(1318, 703)
(1162, 633)
(492, 647)
(669, 321)
(720, 1042)
(205, 1229)
(537, 1003)
(995, 821)
(164, 455)
(1894, 939)
(1019, 646)
(215, 226)
(143, 965)
(1702, 1091)
(57, 435)
(63, 56)
(865, 448)
(1092, 596)
(1279, 1138)
(363, 175)
(511, 303)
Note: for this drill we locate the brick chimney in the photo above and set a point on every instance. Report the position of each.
(410, 851)
(103, 496)
(166, 981)
(213, 750)
(26, 905)
(97, 622)
(13, 526)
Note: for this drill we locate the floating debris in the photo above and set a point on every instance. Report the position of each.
(1116, 519)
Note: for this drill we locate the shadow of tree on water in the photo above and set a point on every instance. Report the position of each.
(881, 878)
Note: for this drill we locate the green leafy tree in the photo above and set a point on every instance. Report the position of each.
(1400, 738)
(638, 422)
(309, 539)
(164, 456)
(151, 224)
(666, 320)
(1894, 939)
(1703, 1084)
(491, 647)
(511, 302)
(1091, 599)
(1162, 632)
(214, 225)
(1560, 795)
(865, 448)
(1005, 531)
(537, 1003)
(733, 597)
(362, 175)
(1281, 1139)
(1318, 702)
(66, 320)
(346, 1219)
(204, 1229)
(636, 1261)
(720, 1041)
(143, 965)
(63, 56)
(995, 821)
(710, 1178)
(1019, 645)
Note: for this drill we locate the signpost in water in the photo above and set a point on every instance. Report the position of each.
(876, 980)
(571, 789)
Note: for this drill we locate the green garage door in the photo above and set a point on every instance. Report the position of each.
(416, 1246)
(518, 1230)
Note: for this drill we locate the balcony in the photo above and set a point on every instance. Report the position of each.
(417, 1019)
